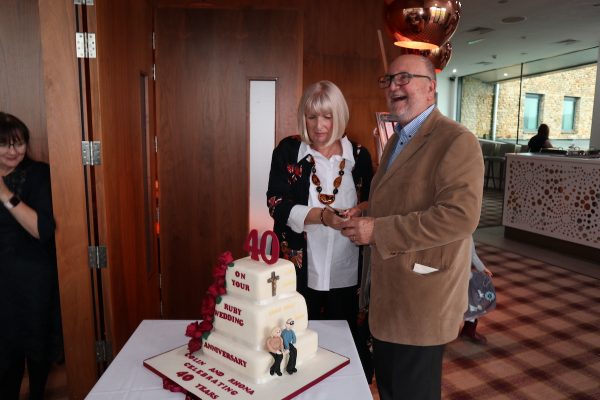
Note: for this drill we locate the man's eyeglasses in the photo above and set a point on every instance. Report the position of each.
(400, 79)
(18, 146)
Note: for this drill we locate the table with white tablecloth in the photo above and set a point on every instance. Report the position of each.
(127, 378)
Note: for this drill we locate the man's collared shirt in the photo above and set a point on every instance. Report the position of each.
(407, 132)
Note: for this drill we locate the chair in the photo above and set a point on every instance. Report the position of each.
(494, 163)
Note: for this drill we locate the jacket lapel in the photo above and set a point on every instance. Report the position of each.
(421, 138)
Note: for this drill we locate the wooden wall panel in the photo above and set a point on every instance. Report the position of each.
(21, 80)
(124, 59)
(204, 59)
(341, 45)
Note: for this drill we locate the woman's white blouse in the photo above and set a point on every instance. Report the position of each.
(332, 258)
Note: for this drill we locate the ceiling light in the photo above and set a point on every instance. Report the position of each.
(567, 41)
(454, 71)
(480, 29)
(475, 41)
(513, 20)
(421, 25)
(505, 74)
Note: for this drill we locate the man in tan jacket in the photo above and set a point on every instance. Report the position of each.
(424, 205)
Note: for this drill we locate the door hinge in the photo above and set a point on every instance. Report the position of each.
(103, 351)
(83, 2)
(90, 153)
(97, 257)
(85, 43)
(153, 40)
(156, 144)
(154, 71)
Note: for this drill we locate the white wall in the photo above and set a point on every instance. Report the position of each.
(262, 142)
(446, 94)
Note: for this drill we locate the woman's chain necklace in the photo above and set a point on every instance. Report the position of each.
(328, 198)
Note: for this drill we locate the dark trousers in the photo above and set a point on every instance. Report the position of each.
(404, 372)
(342, 303)
(276, 367)
(291, 364)
(339, 303)
(11, 375)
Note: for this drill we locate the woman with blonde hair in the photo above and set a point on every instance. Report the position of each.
(318, 179)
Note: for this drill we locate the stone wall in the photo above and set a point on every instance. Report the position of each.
(476, 106)
(477, 100)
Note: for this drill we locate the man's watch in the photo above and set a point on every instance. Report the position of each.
(12, 202)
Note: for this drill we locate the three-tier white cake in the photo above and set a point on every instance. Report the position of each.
(259, 298)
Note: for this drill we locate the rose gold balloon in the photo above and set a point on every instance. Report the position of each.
(421, 24)
(439, 57)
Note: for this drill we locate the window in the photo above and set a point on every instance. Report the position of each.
(568, 115)
(531, 115)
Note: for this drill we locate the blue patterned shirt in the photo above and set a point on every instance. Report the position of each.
(406, 133)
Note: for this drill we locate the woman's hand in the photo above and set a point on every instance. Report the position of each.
(357, 211)
(5, 194)
(24, 215)
(332, 219)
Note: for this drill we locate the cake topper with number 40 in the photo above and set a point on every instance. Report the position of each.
(255, 248)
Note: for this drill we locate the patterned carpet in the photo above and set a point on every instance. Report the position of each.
(491, 209)
(543, 337)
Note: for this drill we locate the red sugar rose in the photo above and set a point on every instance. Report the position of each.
(208, 305)
(205, 326)
(198, 330)
(225, 258)
(194, 345)
(172, 386)
(191, 329)
(219, 271)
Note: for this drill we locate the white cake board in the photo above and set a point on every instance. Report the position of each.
(206, 384)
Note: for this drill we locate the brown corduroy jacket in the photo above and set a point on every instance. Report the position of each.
(426, 207)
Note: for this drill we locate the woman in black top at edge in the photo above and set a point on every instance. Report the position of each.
(30, 317)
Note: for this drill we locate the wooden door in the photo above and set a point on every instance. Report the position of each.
(205, 59)
(39, 83)
(109, 99)
(119, 95)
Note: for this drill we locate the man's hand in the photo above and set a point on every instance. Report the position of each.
(359, 230)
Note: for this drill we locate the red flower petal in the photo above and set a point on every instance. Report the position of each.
(191, 329)
(213, 290)
(194, 345)
(219, 271)
(225, 258)
(172, 386)
(208, 305)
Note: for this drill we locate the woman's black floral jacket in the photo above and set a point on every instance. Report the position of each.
(289, 185)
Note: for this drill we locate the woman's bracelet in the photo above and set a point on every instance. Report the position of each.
(321, 217)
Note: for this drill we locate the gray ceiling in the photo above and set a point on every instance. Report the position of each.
(550, 28)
